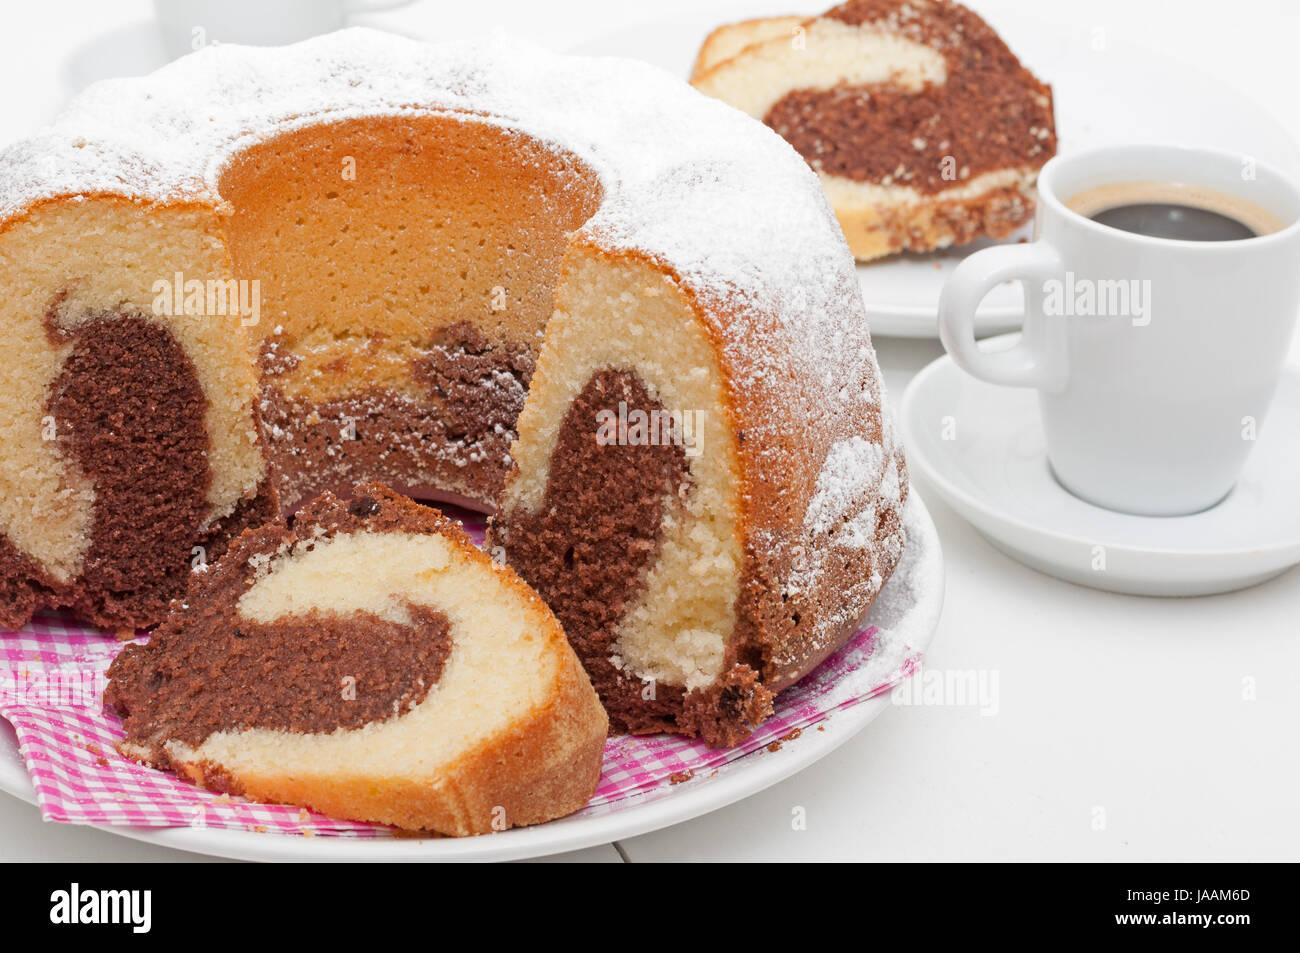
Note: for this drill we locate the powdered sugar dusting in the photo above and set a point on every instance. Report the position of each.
(852, 471)
(860, 482)
(686, 178)
(717, 196)
(917, 580)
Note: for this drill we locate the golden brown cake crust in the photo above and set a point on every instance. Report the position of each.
(873, 231)
(728, 40)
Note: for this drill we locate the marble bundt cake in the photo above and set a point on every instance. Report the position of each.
(453, 266)
(923, 126)
(371, 663)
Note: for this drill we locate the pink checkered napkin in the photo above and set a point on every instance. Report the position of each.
(52, 674)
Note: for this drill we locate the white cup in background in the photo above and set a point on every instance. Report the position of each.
(1152, 410)
(188, 25)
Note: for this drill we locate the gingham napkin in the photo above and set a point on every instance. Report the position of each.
(52, 675)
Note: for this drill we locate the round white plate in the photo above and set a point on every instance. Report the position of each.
(1105, 91)
(899, 609)
(981, 448)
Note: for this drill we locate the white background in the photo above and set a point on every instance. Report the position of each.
(1114, 707)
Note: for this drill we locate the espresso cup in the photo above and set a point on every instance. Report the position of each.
(1155, 359)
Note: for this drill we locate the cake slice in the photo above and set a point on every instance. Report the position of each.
(924, 128)
(371, 663)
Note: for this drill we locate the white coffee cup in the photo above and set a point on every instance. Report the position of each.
(188, 25)
(1149, 407)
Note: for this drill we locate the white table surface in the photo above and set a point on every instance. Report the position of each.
(1121, 730)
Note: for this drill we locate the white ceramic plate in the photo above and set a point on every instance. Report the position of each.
(1117, 93)
(993, 471)
(917, 614)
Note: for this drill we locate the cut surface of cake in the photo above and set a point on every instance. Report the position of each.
(453, 263)
(130, 447)
(369, 662)
(924, 128)
(709, 517)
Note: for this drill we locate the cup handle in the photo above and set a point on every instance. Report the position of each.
(1038, 360)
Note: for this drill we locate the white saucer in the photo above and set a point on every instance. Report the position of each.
(993, 471)
(1121, 93)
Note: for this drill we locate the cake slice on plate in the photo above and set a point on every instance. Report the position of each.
(924, 128)
(371, 663)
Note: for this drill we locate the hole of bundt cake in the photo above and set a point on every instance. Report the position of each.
(427, 334)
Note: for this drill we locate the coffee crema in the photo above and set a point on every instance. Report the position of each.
(1174, 210)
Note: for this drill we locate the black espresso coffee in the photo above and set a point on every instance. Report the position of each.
(1185, 223)
(1173, 210)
